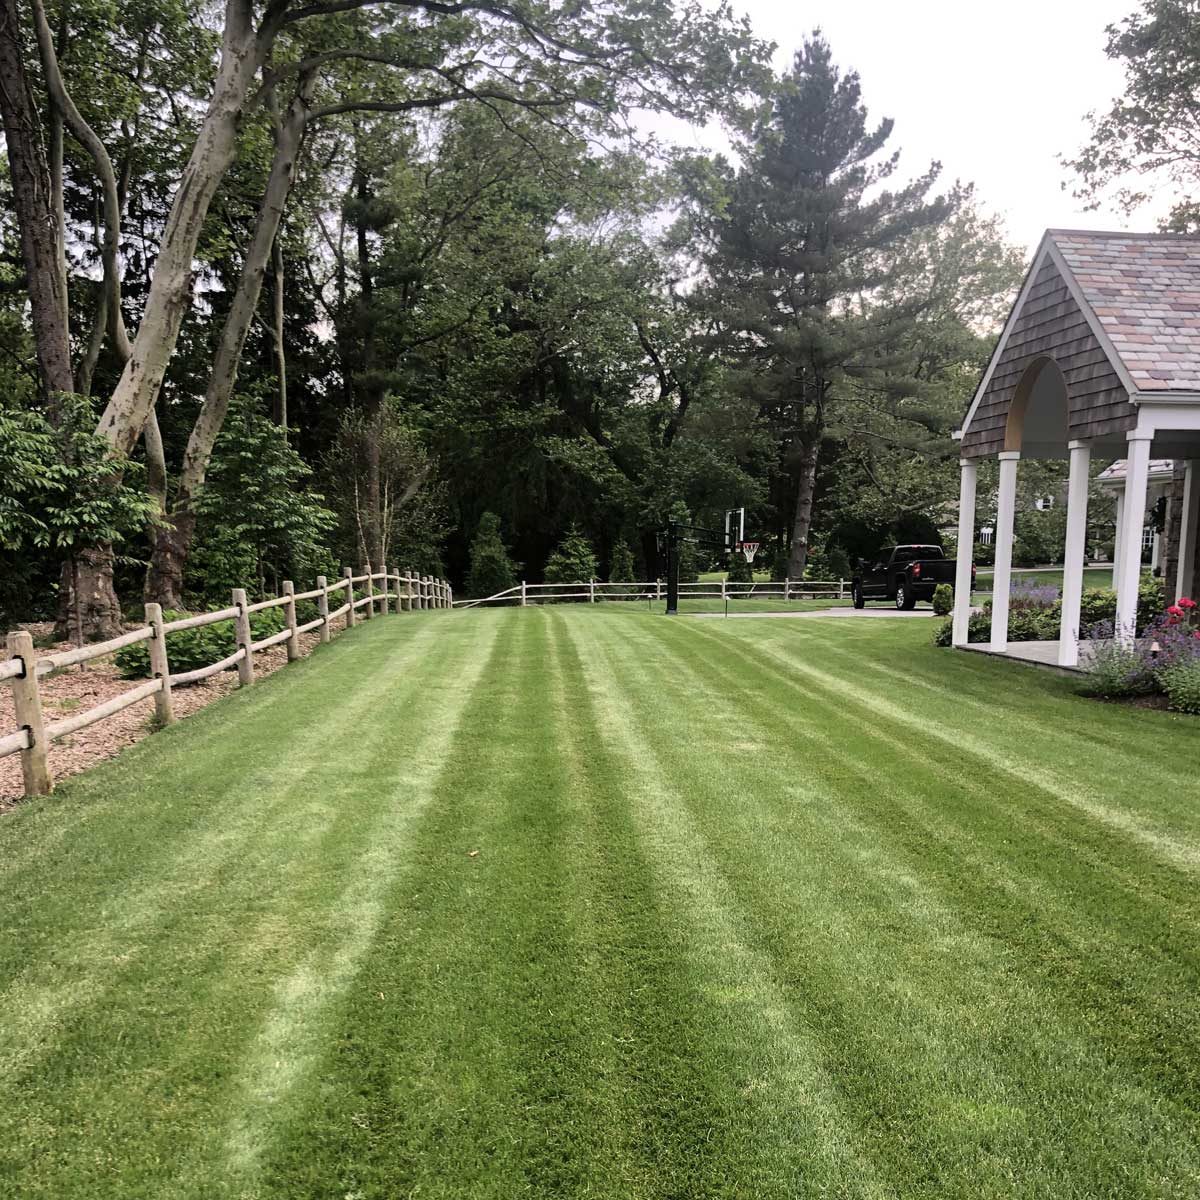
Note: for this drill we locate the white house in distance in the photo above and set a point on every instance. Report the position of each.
(1099, 356)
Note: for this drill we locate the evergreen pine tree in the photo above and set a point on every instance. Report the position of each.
(806, 231)
(574, 560)
(492, 570)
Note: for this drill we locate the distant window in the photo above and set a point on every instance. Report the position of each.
(1044, 503)
(985, 535)
(1148, 537)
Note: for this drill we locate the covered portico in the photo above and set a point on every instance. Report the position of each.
(1100, 357)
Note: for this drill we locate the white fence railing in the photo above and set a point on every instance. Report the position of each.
(593, 591)
(23, 668)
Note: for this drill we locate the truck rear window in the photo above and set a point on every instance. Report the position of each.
(906, 554)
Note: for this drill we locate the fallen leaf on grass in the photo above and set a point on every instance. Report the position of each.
(472, 853)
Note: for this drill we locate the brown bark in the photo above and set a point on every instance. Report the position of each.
(33, 200)
(99, 613)
(281, 405)
(172, 541)
(802, 522)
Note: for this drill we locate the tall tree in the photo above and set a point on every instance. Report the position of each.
(795, 246)
(1148, 136)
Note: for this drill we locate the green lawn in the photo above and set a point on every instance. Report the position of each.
(580, 901)
(1093, 577)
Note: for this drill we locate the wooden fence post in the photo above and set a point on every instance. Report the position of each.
(348, 573)
(370, 608)
(442, 593)
(524, 600)
(244, 638)
(383, 602)
(723, 595)
(404, 587)
(591, 591)
(164, 708)
(27, 702)
(787, 588)
(323, 607)
(289, 615)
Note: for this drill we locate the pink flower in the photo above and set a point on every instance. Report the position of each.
(1196, 634)
(1175, 610)
(1186, 603)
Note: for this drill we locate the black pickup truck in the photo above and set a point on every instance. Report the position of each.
(904, 575)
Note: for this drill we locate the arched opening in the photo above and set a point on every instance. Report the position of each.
(1039, 416)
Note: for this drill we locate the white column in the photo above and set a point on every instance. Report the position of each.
(1118, 541)
(1075, 553)
(966, 551)
(1006, 506)
(1137, 472)
(1155, 550)
(1189, 518)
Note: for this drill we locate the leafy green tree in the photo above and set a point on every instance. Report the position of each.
(492, 569)
(791, 242)
(1145, 142)
(574, 560)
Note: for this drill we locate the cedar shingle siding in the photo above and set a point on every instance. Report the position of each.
(1051, 323)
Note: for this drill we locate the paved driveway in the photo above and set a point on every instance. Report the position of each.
(915, 613)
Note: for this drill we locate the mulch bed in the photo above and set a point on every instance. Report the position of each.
(72, 690)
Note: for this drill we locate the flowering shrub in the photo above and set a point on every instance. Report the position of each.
(1165, 656)
(1117, 668)
(1031, 596)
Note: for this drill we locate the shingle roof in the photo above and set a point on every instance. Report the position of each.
(1145, 290)
(1160, 468)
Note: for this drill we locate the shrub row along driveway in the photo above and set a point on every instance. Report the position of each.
(563, 901)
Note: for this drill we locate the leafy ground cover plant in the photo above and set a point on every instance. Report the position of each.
(190, 649)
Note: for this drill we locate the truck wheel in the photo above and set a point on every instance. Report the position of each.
(860, 600)
(904, 601)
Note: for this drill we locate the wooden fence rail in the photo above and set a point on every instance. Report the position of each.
(23, 666)
(592, 590)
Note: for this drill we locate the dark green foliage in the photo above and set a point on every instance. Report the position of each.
(621, 567)
(492, 569)
(740, 571)
(943, 599)
(259, 523)
(190, 649)
(574, 561)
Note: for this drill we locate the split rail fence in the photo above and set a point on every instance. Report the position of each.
(23, 667)
(593, 590)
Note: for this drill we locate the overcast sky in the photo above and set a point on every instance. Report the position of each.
(995, 92)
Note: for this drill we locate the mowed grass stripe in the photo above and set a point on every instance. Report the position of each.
(796, 1135)
(839, 984)
(207, 947)
(1111, 918)
(1068, 730)
(480, 1059)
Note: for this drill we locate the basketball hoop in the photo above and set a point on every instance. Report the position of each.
(749, 550)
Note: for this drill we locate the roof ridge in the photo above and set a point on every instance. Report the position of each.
(1118, 233)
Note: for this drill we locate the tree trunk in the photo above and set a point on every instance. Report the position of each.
(33, 200)
(170, 287)
(172, 541)
(281, 404)
(99, 612)
(802, 524)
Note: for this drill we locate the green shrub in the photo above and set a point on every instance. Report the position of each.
(190, 649)
(620, 567)
(943, 599)
(979, 629)
(491, 570)
(574, 561)
(1181, 682)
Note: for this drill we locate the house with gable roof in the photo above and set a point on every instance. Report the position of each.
(1100, 356)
